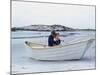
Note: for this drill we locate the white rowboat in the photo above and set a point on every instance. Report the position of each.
(69, 51)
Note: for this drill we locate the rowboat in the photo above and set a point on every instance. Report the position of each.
(70, 51)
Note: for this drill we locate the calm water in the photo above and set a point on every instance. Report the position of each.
(20, 57)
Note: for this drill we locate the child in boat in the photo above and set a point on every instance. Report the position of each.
(54, 39)
(57, 39)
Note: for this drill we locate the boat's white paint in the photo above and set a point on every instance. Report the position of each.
(72, 50)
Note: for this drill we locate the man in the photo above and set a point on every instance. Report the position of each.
(53, 39)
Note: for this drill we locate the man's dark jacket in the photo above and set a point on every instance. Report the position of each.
(51, 41)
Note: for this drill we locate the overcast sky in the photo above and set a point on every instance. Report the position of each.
(75, 16)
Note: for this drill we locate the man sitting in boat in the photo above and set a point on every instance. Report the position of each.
(54, 39)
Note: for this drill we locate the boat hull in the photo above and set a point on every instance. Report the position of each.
(68, 52)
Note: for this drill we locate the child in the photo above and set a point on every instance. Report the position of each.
(57, 39)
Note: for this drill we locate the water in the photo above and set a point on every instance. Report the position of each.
(22, 63)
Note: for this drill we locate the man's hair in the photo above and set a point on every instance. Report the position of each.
(53, 32)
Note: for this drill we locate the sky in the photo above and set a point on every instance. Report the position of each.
(30, 13)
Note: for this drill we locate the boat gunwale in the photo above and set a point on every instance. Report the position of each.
(59, 46)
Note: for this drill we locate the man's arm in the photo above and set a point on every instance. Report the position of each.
(57, 42)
